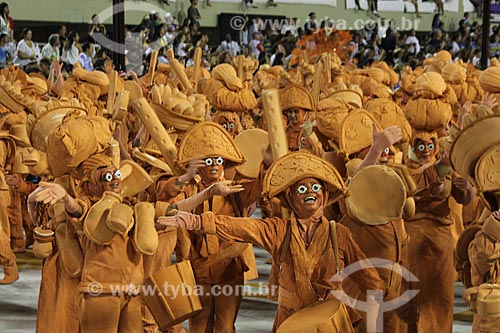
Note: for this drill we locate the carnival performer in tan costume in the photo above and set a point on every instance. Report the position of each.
(215, 262)
(379, 233)
(431, 240)
(7, 257)
(474, 153)
(304, 183)
(295, 102)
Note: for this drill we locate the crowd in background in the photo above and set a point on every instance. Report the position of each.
(378, 41)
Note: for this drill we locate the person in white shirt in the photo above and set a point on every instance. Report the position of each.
(229, 45)
(50, 50)
(180, 50)
(455, 45)
(85, 56)
(256, 46)
(26, 52)
(382, 28)
(477, 58)
(72, 49)
(414, 43)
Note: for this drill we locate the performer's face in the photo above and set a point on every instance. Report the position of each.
(307, 196)
(211, 173)
(295, 116)
(228, 125)
(109, 179)
(425, 150)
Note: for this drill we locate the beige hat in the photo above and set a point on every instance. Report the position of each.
(388, 113)
(48, 117)
(487, 175)
(12, 97)
(174, 119)
(377, 195)
(227, 74)
(208, 139)
(295, 96)
(296, 166)
(472, 142)
(356, 132)
(489, 79)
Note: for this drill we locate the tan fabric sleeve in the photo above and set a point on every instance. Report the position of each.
(260, 232)
(483, 253)
(350, 253)
(78, 221)
(161, 208)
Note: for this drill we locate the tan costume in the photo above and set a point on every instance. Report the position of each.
(312, 249)
(476, 159)
(7, 257)
(298, 99)
(379, 231)
(431, 245)
(216, 263)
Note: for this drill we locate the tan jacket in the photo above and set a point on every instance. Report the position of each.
(484, 255)
(217, 261)
(318, 259)
(115, 267)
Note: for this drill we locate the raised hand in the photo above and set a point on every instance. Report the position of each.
(50, 193)
(225, 188)
(490, 101)
(192, 170)
(386, 137)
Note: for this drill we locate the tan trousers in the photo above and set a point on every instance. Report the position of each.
(431, 260)
(58, 291)
(16, 221)
(6, 254)
(110, 314)
(219, 312)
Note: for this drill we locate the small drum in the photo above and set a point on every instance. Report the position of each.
(252, 143)
(175, 296)
(328, 316)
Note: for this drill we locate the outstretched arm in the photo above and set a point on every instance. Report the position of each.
(50, 193)
(264, 233)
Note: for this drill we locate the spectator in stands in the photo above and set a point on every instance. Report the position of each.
(194, 14)
(437, 40)
(26, 51)
(51, 50)
(389, 44)
(439, 6)
(413, 42)
(96, 26)
(86, 56)
(72, 49)
(61, 32)
(229, 45)
(311, 25)
(256, 46)
(476, 59)
(180, 46)
(456, 45)
(4, 20)
(436, 21)
(382, 28)
(278, 53)
(5, 57)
